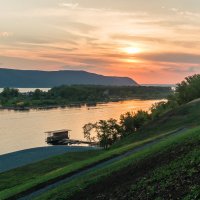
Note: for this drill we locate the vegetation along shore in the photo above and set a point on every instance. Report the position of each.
(77, 96)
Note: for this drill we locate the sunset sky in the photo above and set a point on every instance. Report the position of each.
(151, 41)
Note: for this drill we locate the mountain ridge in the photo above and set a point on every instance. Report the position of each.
(39, 78)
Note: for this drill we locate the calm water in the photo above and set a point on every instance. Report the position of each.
(22, 130)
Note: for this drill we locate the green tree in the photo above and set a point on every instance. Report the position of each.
(38, 94)
(188, 89)
(88, 129)
(131, 122)
(158, 109)
(127, 123)
(10, 93)
(140, 119)
(107, 132)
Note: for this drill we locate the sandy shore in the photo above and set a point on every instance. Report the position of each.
(25, 157)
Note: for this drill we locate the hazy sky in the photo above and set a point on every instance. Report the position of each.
(152, 41)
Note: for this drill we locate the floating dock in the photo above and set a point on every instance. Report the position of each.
(61, 137)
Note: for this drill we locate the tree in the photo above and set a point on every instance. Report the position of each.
(188, 89)
(38, 94)
(131, 122)
(107, 132)
(158, 109)
(10, 93)
(87, 130)
(127, 123)
(141, 118)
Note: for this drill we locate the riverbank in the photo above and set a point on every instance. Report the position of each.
(21, 158)
(76, 96)
(74, 105)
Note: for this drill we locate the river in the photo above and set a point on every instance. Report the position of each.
(23, 130)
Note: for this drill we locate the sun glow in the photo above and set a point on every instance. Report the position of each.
(131, 50)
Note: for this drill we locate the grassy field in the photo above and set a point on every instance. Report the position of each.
(163, 161)
(24, 178)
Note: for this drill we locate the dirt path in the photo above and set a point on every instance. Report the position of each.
(45, 188)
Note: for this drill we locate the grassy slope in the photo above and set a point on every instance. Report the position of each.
(179, 153)
(178, 179)
(184, 116)
(187, 115)
(21, 179)
(30, 172)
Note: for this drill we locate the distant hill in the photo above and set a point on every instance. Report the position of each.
(48, 79)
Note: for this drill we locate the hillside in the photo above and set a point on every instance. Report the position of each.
(48, 79)
(187, 115)
(167, 170)
(160, 164)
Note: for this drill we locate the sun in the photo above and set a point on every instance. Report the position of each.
(131, 50)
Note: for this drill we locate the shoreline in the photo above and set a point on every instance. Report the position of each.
(75, 104)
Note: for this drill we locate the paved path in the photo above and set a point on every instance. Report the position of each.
(25, 157)
(98, 166)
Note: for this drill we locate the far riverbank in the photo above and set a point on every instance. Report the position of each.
(77, 96)
(74, 105)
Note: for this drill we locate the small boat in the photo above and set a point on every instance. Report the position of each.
(57, 137)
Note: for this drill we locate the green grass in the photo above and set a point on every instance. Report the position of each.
(22, 179)
(31, 172)
(184, 116)
(179, 178)
(66, 191)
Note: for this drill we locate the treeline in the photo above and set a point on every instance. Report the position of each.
(107, 132)
(65, 95)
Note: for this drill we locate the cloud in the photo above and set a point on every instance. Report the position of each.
(69, 5)
(187, 43)
(171, 57)
(185, 13)
(189, 69)
(5, 34)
